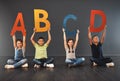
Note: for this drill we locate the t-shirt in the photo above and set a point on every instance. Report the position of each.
(70, 55)
(40, 51)
(19, 54)
(97, 50)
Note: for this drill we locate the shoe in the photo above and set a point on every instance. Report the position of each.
(25, 65)
(110, 64)
(50, 65)
(36, 66)
(9, 66)
(71, 65)
(94, 64)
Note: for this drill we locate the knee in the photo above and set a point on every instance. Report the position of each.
(52, 59)
(83, 59)
(24, 60)
(9, 61)
(67, 61)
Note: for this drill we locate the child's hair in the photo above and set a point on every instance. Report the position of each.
(69, 46)
(19, 40)
(94, 36)
(41, 38)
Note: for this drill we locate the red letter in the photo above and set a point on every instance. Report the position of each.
(21, 27)
(92, 19)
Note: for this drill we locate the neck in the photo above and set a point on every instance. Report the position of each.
(96, 43)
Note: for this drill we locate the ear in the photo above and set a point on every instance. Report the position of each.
(37, 41)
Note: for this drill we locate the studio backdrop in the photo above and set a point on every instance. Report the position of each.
(77, 13)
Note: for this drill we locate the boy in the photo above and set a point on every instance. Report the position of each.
(19, 58)
(41, 58)
(97, 52)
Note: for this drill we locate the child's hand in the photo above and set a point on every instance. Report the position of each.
(88, 27)
(63, 30)
(49, 29)
(78, 31)
(105, 26)
(34, 29)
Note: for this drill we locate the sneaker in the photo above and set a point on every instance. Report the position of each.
(9, 66)
(110, 64)
(50, 65)
(71, 65)
(94, 64)
(25, 65)
(36, 66)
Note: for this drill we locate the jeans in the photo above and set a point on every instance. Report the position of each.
(101, 61)
(43, 61)
(17, 63)
(76, 61)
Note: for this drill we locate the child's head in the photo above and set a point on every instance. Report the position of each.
(41, 41)
(70, 42)
(95, 39)
(19, 43)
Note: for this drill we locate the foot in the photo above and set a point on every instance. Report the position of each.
(50, 65)
(36, 66)
(71, 65)
(94, 64)
(25, 65)
(9, 66)
(110, 64)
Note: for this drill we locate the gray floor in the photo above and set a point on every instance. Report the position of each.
(61, 72)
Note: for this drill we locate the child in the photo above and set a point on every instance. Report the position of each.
(97, 52)
(70, 47)
(41, 58)
(19, 58)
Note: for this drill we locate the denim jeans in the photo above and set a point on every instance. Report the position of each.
(43, 61)
(76, 61)
(17, 63)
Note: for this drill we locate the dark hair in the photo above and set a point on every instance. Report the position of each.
(68, 45)
(94, 36)
(41, 38)
(70, 39)
(19, 40)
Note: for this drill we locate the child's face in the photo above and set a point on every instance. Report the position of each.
(70, 43)
(41, 42)
(19, 44)
(96, 39)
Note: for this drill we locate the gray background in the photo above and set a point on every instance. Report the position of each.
(57, 10)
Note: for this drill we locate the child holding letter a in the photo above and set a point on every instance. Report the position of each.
(41, 59)
(97, 53)
(19, 58)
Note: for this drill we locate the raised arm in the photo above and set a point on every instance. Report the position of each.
(103, 35)
(49, 38)
(89, 36)
(14, 41)
(77, 38)
(64, 38)
(24, 41)
(32, 37)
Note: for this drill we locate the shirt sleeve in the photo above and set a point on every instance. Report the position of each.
(35, 45)
(100, 43)
(46, 45)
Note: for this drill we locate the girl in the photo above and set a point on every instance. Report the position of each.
(70, 47)
(19, 58)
